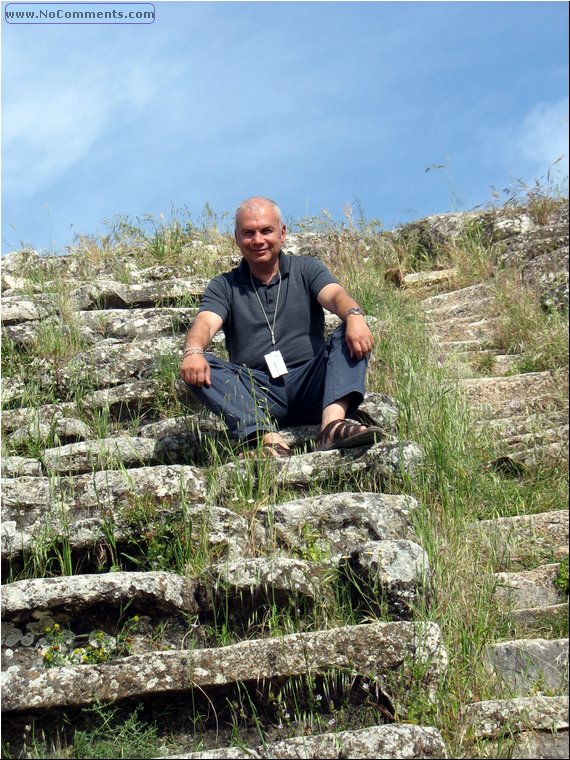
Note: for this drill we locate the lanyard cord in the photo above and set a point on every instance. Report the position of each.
(271, 329)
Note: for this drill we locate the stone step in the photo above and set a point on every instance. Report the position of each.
(380, 650)
(111, 361)
(23, 600)
(550, 424)
(122, 324)
(533, 618)
(385, 462)
(37, 512)
(530, 393)
(138, 323)
(480, 307)
(530, 588)
(541, 454)
(393, 742)
(444, 333)
(448, 348)
(337, 522)
(121, 451)
(528, 666)
(533, 727)
(495, 364)
(513, 539)
(491, 718)
(27, 308)
(426, 279)
(455, 301)
(16, 467)
(109, 294)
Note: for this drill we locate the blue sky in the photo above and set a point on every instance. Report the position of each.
(315, 104)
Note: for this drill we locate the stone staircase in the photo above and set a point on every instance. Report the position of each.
(224, 655)
(527, 416)
(229, 641)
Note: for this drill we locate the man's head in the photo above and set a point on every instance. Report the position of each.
(259, 232)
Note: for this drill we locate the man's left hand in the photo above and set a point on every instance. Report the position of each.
(358, 336)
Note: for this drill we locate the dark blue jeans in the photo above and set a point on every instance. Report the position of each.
(252, 402)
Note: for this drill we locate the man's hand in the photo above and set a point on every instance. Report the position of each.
(195, 370)
(358, 336)
(359, 339)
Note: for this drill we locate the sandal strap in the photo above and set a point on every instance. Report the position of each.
(339, 430)
(279, 448)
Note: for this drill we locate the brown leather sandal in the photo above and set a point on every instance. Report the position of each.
(347, 435)
(268, 451)
(278, 450)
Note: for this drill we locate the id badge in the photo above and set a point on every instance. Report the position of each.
(276, 364)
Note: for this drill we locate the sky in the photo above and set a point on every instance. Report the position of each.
(399, 109)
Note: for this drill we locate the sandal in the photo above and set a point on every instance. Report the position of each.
(277, 450)
(267, 451)
(346, 435)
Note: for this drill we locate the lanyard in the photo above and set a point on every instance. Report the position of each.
(271, 328)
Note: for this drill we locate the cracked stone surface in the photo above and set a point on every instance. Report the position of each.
(380, 648)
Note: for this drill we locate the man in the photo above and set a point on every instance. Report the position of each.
(281, 370)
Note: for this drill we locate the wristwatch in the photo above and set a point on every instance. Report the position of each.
(355, 310)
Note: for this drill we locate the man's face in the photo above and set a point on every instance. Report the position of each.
(259, 235)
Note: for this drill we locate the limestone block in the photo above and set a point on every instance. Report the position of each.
(111, 362)
(390, 742)
(161, 591)
(109, 294)
(106, 453)
(492, 718)
(533, 588)
(387, 572)
(268, 576)
(338, 522)
(515, 537)
(138, 323)
(79, 506)
(419, 279)
(12, 419)
(14, 467)
(531, 665)
(23, 308)
(380, 649)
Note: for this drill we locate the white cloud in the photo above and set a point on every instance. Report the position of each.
(48, 126)
(543, 136)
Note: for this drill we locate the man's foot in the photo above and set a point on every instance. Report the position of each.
(275, 445)
(341, 434)
(272, 445)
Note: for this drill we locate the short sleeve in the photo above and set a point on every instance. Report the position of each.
(316, 275)
(217, 297)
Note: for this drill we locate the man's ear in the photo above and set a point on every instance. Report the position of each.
(283, 233)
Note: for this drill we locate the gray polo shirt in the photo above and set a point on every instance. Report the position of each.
(300, 321)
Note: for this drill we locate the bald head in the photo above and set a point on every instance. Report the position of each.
(257, 203)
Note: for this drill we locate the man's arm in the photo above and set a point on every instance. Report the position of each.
(359, 338)
(194, 369)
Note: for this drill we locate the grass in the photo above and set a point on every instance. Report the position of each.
(454, 486)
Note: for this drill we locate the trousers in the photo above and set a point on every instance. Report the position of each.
(252, 402)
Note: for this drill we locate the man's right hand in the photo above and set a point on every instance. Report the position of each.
(195, 370)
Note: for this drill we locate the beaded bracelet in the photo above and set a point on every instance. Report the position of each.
(192, 351)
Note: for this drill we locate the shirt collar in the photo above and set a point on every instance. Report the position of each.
(242, 271)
